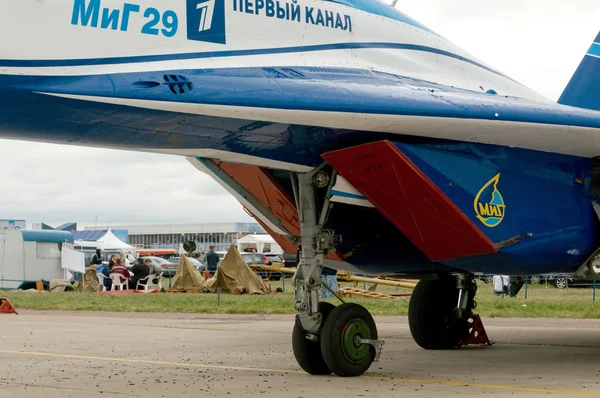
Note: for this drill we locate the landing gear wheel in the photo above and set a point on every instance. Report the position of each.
(342, 331)
(308, 353)
(430, 315)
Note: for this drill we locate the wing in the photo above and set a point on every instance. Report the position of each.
(346, 99)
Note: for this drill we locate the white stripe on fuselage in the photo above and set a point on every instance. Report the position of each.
(541, 137)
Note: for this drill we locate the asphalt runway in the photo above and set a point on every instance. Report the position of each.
(68, 354)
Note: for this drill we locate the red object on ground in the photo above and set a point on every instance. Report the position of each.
(131, 291)
(6, 307)
(410, 200)
(477, 333)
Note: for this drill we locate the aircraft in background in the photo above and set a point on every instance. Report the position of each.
(346, 128)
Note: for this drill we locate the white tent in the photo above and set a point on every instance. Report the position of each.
(109, 242)
(262, 243)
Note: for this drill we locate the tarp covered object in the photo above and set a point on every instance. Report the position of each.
(59, 285)
(234, 275)
(187, 276)
(91, 281)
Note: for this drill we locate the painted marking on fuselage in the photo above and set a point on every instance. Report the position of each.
(489, 204)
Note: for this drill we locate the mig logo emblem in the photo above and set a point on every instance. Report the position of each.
(489, 204)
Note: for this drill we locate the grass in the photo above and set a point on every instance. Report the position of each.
(541, 302)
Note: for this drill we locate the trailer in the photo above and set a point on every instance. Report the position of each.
(30, 256)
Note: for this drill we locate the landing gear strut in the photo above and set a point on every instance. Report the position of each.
(326, 339)
(439, 311)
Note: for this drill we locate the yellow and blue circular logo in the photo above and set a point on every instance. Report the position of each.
(489, 204)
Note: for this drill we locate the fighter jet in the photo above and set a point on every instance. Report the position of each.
(355, 135)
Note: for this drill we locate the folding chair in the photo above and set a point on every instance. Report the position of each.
(144, 282)
(116, 282)
(101, 278)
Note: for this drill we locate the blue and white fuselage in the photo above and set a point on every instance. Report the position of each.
(278, 83)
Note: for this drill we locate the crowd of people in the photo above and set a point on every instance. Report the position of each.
(118, 266)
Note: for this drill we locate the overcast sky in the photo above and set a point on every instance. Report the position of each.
(537, 42)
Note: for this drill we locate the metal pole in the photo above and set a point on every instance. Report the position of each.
(218, 296)
(594, 292)
(283, 281)
(526, 284)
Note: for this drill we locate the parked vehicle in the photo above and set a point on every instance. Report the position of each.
(199, 266)
(565, 281)
(165, 266)
(289, 260)
(275, 258)
(256, 258)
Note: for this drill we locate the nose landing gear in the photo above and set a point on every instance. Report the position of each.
(326, 339)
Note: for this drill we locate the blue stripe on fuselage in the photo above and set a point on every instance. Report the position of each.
(235, 53)
(347, 195)
(594, 50)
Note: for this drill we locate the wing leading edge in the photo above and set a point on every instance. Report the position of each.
(347, 99)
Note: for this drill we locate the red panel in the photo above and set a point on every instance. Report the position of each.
(264, 189)
(410, 200)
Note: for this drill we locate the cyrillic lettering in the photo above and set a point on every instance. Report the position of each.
(128, 8)
(111, 19)
(295, 10)
(270, 8)
(338, 22)
(329, 19)
(320, 19)
(260, 4)
(280, 11)
(309, 15)
(81, 14)
(347, 23)
(249, 7)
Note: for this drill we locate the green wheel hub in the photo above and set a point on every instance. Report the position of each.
(355, 330)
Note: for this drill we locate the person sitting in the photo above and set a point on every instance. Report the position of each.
(104, 270)
(154, 270)
(121, 270)
(112, 261)
(140, 271)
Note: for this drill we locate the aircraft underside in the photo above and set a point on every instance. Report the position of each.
(521, 192)
(357, 137)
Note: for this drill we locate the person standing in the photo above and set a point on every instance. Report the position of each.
(500, 283)
(329, 277)
(212, 260)
(97, 259)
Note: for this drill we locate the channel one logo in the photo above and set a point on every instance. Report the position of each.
(206, 21)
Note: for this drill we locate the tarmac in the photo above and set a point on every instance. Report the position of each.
(74, 354)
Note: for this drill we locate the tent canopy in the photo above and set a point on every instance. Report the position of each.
(262, 243)
(110, 242)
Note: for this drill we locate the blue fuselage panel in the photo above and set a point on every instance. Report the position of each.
(535, 203)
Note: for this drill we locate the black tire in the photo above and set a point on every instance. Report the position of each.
(430, 315)
(561, 283)
(308, 353)
(332, 334)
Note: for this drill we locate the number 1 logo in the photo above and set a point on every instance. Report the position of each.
(207, 9)
(206, 21)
